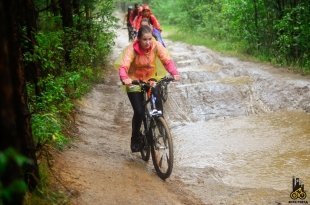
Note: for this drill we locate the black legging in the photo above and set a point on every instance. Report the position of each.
(136, 100)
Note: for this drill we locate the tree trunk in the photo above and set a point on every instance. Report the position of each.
(256, 19)
(87, 12)
(66, 13)
(55, 7)
(32, 68)
(67, 22)
(76, 7)
(15, 126)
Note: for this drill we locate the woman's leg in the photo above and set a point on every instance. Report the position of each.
(136, 100)
(156, 33)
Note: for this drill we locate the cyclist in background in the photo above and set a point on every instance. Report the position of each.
(138, 62)
(129, 23)
(140, 8)
(146, 13)
(134, 13)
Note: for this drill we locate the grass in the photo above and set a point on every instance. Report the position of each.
(228, 48)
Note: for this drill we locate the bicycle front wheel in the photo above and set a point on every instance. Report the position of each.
(162, 148)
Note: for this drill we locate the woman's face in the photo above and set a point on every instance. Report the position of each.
(146, 41)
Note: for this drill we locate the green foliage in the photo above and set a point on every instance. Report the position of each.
(55, 105)
(70, 61)
(47, 128)
(89, 43)
(83, 54)
(54, 23)
(277, 31)
(162, 10)
(9, 158)
(293, 35)
(49, 52)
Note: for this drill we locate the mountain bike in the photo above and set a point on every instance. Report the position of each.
(154, 132)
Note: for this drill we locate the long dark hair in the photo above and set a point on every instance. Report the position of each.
(143, 30)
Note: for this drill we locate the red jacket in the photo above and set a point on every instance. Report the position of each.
(153, 21)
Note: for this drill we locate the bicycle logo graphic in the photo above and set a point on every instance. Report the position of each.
(298, 190)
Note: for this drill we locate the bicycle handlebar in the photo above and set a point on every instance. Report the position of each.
(164, 79)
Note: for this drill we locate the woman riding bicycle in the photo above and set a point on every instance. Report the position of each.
(147, 13)
(129, 23)
(139, 62)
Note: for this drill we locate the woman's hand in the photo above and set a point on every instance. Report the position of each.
(127, 81)
(176, 77)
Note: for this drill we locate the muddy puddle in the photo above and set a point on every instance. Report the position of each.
(240, 125)
(261, 151)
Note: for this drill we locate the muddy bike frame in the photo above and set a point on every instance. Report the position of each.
(155, 133)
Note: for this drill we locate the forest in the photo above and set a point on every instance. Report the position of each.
(53, 51)
(275, 31)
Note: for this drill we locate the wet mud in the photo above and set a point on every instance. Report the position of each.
(241, 131)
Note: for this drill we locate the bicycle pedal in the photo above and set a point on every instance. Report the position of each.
(161, 147)
(155, 112)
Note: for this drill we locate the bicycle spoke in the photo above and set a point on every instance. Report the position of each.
(168, 160)
(161, 161)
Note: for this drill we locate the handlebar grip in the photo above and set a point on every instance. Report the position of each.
(169, 78)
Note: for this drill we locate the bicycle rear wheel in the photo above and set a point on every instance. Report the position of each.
(162, 148)
(146, 149)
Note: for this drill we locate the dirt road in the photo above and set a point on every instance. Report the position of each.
(241, 130)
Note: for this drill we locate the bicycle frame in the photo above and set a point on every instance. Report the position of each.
(150, 98)
(152, 112)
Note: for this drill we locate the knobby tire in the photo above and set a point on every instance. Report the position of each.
(163, 163)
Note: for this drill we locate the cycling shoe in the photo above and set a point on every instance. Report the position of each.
(136, 147)
(136, 144)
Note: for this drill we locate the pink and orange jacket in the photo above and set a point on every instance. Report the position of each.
(137, 64)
